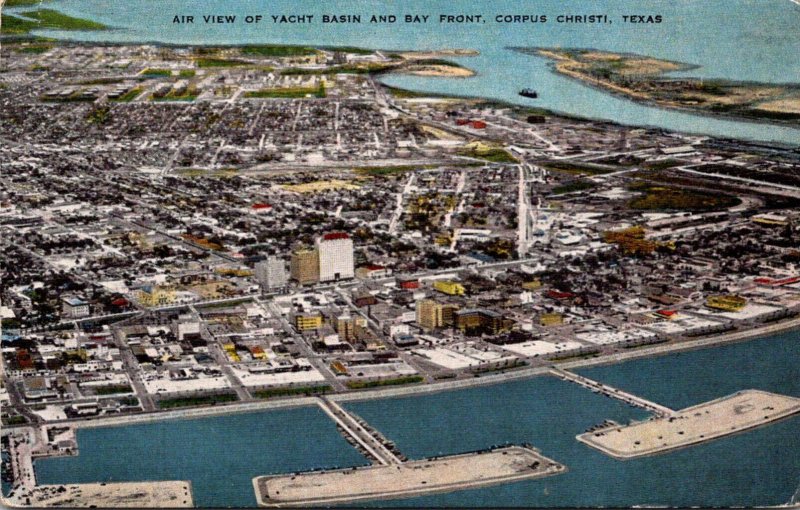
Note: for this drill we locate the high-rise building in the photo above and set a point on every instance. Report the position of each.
(475, 319)
(433, 315)
(335, 257)
(349, 327)
(429, 314)
(271, 274)
(305, 266)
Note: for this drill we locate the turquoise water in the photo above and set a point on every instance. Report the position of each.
(755, 40)
(221, 454)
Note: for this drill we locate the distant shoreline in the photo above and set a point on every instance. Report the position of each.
(644, 100)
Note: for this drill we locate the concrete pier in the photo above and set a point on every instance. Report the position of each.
(612, 392)
(413, 478)
(733, 414)
(357, 432)
(391, 476)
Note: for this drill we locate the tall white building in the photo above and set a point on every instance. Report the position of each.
(335, 257)
(271, 273)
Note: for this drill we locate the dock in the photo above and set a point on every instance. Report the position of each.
(391, 475)
(371, 443)
(733, 414)
(413, 478)
(610, 391)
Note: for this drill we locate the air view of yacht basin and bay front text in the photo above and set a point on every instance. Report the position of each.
(365, 267)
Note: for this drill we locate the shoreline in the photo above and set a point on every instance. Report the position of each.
(784, 326)
(645, 100)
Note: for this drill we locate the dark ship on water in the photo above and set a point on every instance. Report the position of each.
(529, 93)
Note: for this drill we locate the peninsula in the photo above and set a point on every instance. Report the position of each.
(647, 79)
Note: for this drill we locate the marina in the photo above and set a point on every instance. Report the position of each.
(252, 268)
(544, 411)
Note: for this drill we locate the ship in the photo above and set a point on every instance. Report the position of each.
(529, 93)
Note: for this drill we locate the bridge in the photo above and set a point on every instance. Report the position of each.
(610, 391)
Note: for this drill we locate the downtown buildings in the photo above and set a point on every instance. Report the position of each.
(331, 260)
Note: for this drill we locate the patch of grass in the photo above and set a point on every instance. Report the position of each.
(21, 3)
(349, 49)
(128, 401)
(129, 96)
(277, 50)
(14, 420)
(98, 115)
(190, 94)
(576, 168)
(670, 198)
(203, 400)
(661, 164)
(491, 154)
(154, 71)
(113, 390)
(15, 25)
(378, 171)
(49, 18)
(35, 49)
(573, 186)
(187, 73)
(357, 385)
(404, 93)
(284, 392)
(74, 98)
(287, 93)
(220, 62)
(101, 81)
(368, 68)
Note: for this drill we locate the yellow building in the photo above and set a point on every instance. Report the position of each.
(472, 319)
(449, 315)
(433, 315)
(551, 319)
(429, 314)
(230, 350)
(155, 296)
(727, 302)
(349, 327)
(449, 287)
(307, 322)
(304, 266)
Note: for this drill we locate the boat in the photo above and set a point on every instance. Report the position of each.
(529, 93)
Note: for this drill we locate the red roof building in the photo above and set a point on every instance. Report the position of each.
(769, 282)
(335, 235)
(557, 294)
(261, 208)
(409, 284)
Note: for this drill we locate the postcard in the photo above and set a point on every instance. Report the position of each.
(517, 253)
